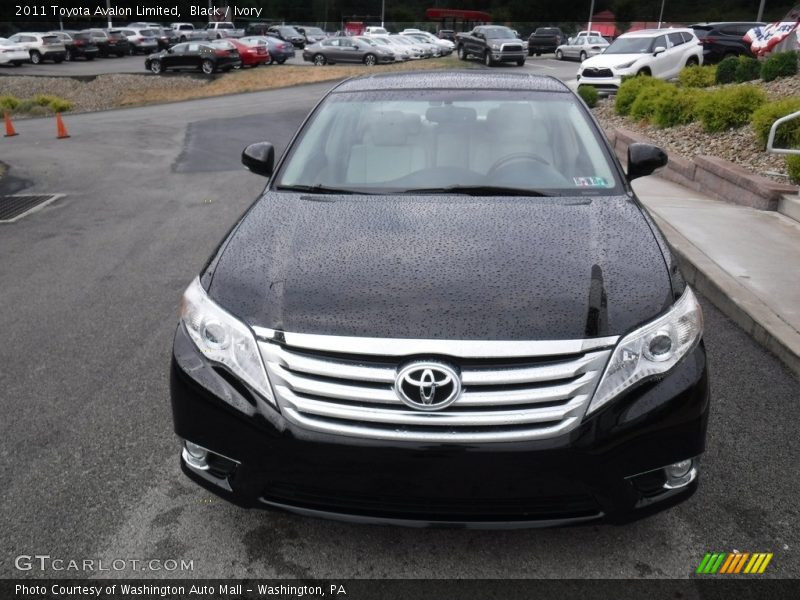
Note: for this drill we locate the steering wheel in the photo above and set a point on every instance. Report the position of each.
(516, 157)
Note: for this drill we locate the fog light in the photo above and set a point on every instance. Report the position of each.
(680, 474)
(196, 456)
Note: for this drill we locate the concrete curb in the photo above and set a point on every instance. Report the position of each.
(715, 177)
(737, 302)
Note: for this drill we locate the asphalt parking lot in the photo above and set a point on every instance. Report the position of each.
(91, 285)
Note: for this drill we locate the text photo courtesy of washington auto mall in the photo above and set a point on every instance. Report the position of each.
(400, 299)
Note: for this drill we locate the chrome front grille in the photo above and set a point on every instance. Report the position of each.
(511, 48)
(512, 391)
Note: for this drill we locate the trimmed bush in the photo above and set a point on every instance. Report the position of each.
(60, 105)
(589, 95)
(628, 91)
(648, 99)
(698, 77)
(747, 69)
(779, 64)
(25, 105)
(793, 168)
(788, 133)
(678, 107)
(44, 99)
(726, 70)
(729, 107)
(8, 102)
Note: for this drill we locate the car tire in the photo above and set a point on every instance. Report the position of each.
(462, 54)
(69, 56)
(319, 60)
(156, 67)
(182, 39)
(281, 61)
(89, 57)
(559, 55)
(207, 66)
(582, 56)
(521, 62)
(36, 57)
(370, 60)
(487, 59)
(644, 73)
(692, 61)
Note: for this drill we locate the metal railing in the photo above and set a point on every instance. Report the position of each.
(771, 140)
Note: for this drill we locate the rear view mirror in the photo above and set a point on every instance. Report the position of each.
(643, 159)
(259, 158)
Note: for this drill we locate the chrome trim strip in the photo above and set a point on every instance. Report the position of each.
(370, 520)
(437, 437)
(491, 349)
(489, 376)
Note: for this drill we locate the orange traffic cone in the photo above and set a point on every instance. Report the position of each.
(9, 126)
(62, 131)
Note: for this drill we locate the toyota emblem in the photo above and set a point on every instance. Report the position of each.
(428, 386)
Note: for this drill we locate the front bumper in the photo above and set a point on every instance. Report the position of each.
(594, 472)
(500, 56)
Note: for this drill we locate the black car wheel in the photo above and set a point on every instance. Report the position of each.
(462, 54)
(281, 61)
(319, 60)
(207, 67)
(583, 56)
(370, 60)
(69, 56)
(487, 59)
(692, 61)
(36, 57)
(559, 55)
(521, 62)
(131, 51)
(156, 67)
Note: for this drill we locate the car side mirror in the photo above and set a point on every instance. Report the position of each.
(259, 158)
(643, 159)
(659, 50)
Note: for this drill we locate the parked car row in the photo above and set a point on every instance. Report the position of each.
(374, 47)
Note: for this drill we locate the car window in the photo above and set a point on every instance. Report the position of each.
(676, 39)
(180, 48)
(660, 41)
(630, 45)
(192, 48)
(438, 138)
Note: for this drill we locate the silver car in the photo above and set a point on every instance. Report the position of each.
(582, 46)
(347, 49)
(141, 40)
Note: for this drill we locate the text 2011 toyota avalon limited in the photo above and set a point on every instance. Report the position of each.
(447, 308)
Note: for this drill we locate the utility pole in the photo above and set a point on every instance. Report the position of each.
(591, 14)
(761, 11)
(108, 12)
(661, 14)
(383, 11)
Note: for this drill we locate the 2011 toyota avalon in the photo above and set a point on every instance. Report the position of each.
(448, 307)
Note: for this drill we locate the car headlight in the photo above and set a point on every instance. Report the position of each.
(626, 65)
(495, 46)
(223, 339)
(651, 350)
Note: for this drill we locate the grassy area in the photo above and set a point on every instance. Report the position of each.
(265, 78)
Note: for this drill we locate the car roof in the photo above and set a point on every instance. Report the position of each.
(656, 32)
(453, 80)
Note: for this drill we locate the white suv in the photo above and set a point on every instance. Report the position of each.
(661, 53)
(41, 46)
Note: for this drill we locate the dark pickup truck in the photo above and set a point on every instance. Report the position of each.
(492, 44)
(545, 39)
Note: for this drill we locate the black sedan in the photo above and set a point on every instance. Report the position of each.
(347, 49)
(77, 44)
(205, 56)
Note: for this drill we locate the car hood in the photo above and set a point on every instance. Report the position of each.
(610, 60)
(443, 267)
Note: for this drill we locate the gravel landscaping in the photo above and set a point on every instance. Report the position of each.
(738, 146)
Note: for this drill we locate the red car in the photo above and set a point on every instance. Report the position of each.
(252, 53)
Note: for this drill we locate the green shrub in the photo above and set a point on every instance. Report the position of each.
(38, 111)
(793, 168)
(8, 102)
(729, 107)
(747, 69)
(779, 64)
(678, 107)
(726, 70)
(589, 95)
(43, 99)
(788, 133)
(697, 76)
(629, 89)
(644, 107)
(60, 105)
(25, 106)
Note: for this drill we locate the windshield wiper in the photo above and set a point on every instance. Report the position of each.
(477, 190)
(317, 189)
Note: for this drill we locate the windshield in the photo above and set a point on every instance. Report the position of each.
(499, 33)
(314, 31)
(289, 31)
(631, 45)
(437, 140)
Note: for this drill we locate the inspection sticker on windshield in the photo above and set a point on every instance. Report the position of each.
(590, 181)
